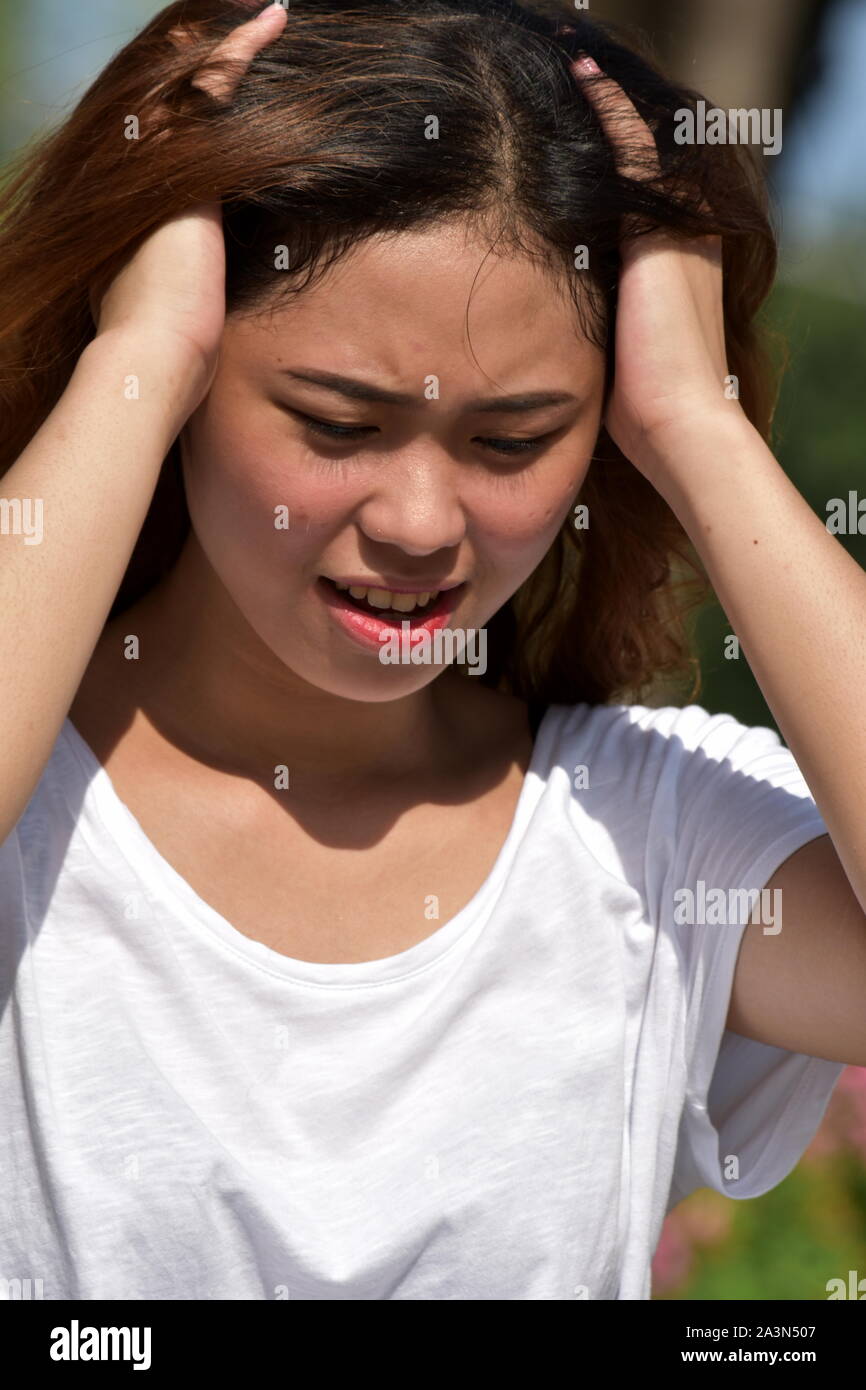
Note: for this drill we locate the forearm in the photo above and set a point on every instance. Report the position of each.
(797, 602)
(84, 484)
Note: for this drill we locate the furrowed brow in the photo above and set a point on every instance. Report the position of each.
(535, 400)
(357, 390)
(352, 387)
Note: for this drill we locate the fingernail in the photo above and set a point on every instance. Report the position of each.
(277, 5)
(586, 66)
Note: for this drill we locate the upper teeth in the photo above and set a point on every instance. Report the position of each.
(383, 598)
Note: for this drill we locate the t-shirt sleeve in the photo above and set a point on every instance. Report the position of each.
(733, 806)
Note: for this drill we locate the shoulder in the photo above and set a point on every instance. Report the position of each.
(642, 741)
(33, 853)
(640, 784)
(62, 786)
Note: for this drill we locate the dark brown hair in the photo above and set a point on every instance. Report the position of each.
(324, 145)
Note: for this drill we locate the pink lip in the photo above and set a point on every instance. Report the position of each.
(370, 632)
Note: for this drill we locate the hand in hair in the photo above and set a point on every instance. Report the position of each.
(231, 58)
(670, 374)
(173, 286)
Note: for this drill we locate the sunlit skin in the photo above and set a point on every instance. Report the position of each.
(252, 658)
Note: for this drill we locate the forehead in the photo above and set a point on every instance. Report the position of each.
(427, 301)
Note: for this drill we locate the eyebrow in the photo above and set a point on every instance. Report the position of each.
(358, 390)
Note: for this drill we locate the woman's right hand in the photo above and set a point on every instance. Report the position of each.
(172, 289)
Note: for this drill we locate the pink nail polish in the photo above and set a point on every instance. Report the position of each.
(586, 66)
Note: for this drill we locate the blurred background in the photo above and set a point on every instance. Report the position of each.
(806, 57)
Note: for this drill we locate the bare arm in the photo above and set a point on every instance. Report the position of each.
(87, 477)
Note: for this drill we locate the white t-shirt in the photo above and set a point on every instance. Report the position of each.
(506, 1110)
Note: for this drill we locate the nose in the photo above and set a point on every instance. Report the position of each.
(416, 505)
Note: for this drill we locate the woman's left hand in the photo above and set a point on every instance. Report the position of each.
(670, 377)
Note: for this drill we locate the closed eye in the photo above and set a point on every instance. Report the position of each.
(497, 444)
(516, 446)
(333, 431)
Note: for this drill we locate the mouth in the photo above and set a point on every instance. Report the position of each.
(371, 623)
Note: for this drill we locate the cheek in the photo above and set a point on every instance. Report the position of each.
(256, 503)
(520, 516)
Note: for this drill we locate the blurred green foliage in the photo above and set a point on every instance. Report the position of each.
(788, 1243)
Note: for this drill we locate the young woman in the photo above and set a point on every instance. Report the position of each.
(332, 975)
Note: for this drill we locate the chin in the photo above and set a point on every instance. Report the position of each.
(370, 682)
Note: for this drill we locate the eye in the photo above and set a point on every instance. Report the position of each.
(515, 446)
(332, 431)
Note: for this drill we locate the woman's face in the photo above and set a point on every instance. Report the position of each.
(431, 467)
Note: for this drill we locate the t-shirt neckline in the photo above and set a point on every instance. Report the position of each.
(164, 883)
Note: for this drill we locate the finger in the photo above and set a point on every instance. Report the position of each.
(633, 142)
(236, 52)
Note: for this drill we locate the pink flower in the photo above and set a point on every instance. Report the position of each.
(844, 1125)
(672, 1261)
